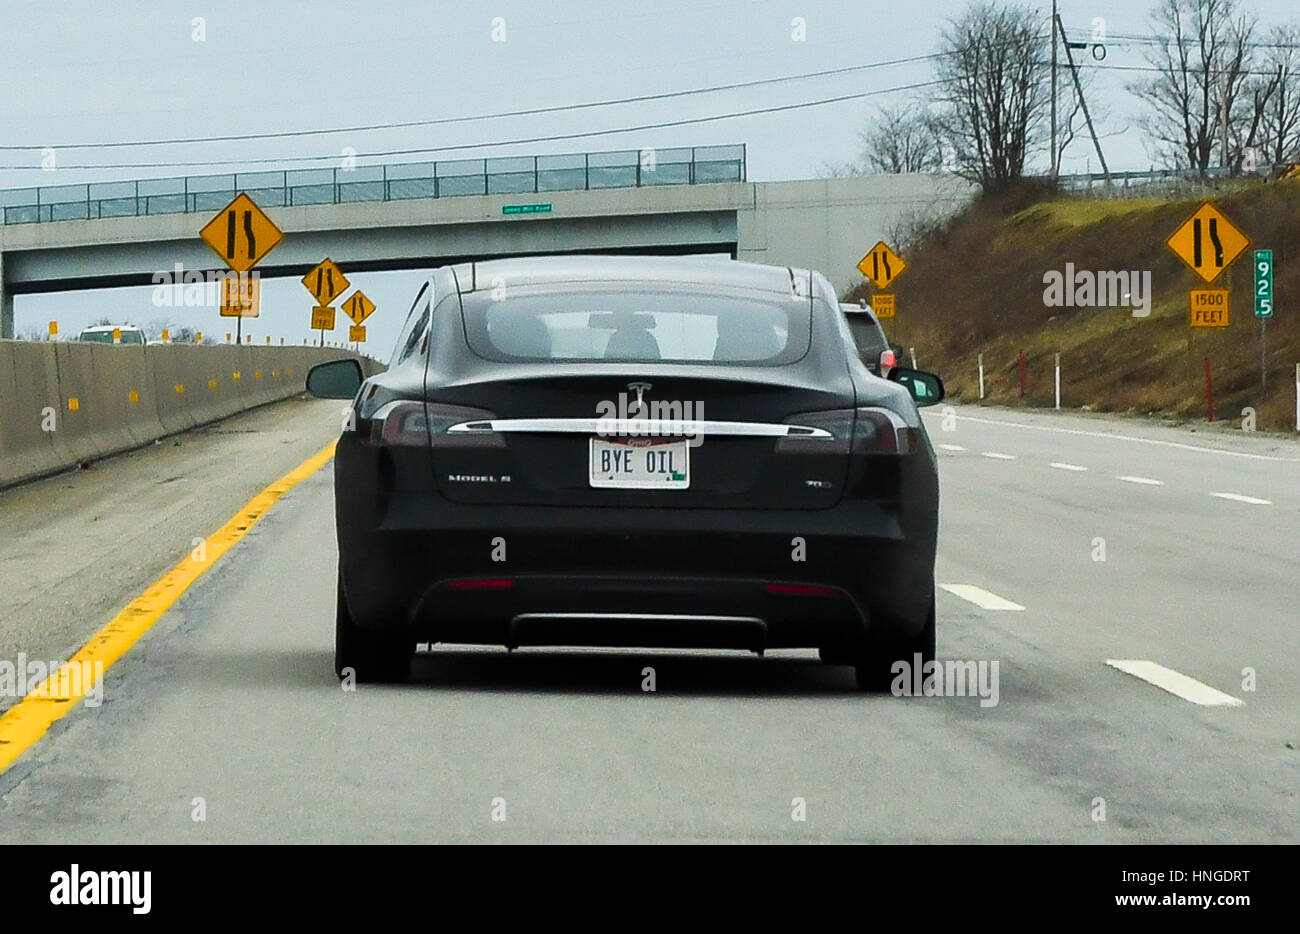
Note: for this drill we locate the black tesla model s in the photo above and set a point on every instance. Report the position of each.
(632, 451)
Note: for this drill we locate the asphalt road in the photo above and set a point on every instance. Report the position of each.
(231, 699)
(74, 548)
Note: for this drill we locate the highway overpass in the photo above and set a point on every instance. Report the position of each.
(826, 224)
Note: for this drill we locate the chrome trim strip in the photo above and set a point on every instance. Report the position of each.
(637, 427)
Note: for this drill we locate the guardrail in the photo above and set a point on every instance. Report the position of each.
(1156, 182)
(504, 175)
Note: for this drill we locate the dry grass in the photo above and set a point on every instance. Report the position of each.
(977, 286)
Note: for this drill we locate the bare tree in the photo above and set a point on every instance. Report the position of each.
(903, 138)
(153, 330)
(993, 92)
(1202, 66)
(1271, 109)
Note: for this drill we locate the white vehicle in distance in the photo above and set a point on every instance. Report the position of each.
(103, 334)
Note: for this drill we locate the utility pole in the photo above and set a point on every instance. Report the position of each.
(1223, 115)
(1055, 167)
(1083, 103)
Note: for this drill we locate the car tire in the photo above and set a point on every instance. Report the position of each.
(875, 666)
(372, 657)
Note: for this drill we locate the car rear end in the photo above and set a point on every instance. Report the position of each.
(877, 354)
(557, 469)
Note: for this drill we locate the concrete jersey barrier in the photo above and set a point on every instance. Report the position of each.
(67, 403)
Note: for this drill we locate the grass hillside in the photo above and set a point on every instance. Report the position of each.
(976, 285)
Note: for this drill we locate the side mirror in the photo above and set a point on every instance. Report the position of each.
(926, 388)
(338, 379)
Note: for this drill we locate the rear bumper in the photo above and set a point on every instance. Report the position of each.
(494, 575)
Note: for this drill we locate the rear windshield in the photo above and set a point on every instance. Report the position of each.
(106, 337)
(637, 325)
(866, 334)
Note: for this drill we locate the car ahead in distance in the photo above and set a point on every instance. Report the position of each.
(103, 334)
(876, 352)
(632, 451)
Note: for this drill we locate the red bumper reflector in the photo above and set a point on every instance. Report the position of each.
(497, 583)
(802, 590)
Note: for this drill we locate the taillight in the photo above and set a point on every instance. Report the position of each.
(880, 431)
(421, 424)
(865, 430)
(887, 361)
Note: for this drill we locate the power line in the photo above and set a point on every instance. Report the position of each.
(1124, 38)
(333, 157)
(443, 121)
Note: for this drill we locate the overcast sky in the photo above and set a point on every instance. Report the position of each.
(97, 71)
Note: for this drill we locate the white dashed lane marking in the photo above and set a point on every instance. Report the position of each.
(1238, 498)
(1147, 480)
(1189, 689)
(1112, 436)
(1060, 466)
(1001, 457)
(980, 597)
(950, 447)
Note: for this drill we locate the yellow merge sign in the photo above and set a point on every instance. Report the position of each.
(884, 305)
(1209, 308)
(358, 307)
(241, 234)
(1208, 242)
(326, 282)
(881, 265)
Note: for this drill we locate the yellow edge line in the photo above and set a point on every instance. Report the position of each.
(28, 720)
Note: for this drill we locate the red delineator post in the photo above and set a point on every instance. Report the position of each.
(1022, 374)
(1209, 393)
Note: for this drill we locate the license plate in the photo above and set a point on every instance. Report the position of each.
(640, 463)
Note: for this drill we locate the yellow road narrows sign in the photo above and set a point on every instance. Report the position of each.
(881, 265)
(326, 282)
(241, 234)
(1208, 242)
(359, 307)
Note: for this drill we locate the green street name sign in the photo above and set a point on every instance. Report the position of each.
(526, 209)
(1263, 283)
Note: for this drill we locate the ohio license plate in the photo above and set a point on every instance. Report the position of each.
(640, 463)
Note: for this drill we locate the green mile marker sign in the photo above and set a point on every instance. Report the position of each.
(526, 209)
(1263, 283)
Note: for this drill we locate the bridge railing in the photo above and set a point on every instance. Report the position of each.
(630, 168)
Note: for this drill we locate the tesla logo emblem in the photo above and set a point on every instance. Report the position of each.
(640, 389)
